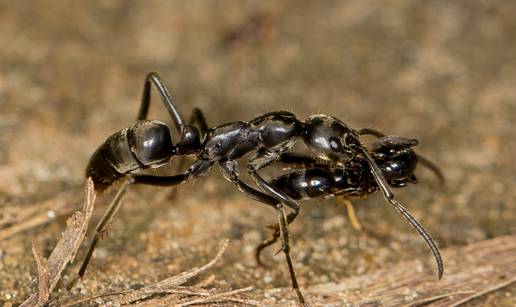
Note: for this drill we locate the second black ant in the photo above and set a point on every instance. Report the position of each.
(268, 138)
(308, 178)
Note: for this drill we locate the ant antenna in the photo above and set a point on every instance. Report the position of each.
(389, 196)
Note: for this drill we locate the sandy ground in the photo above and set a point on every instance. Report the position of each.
(71, 73)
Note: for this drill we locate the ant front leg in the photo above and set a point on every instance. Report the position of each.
(230, 172)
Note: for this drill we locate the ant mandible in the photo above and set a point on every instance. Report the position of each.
(148, 144)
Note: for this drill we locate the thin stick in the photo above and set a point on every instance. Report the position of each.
(42, 265)
(36, 215)
(486, 291)
(67, 246)
(436, 298)
(216, 297)
(165, 286)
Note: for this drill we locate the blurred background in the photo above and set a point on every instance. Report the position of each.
(71, 74)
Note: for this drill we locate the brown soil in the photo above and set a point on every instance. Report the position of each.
(71, 73)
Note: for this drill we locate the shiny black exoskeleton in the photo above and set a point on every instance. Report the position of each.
(265, 139)
(393, 155)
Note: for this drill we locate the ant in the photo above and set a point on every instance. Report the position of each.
(352, 179)
(148, 144)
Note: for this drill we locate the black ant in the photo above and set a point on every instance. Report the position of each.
(311, 178)
(148, 144)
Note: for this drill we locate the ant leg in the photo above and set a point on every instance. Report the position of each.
(230, 172)
(199, 168)
(389, 196)
(101, 230)
(153, 78)
(351, 212)
(259, 162)
(198, 117)
(298, 160)
(266, 243)
(285, 246)
(424, 161)
(254, 165)
(295, 159)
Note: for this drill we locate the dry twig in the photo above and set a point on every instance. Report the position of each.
(472, 271)
(485, 292)
(42, 265)
(172, 292)
(65, 249)
(15, 220)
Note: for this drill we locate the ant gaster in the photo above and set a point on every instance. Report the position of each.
(148, 144)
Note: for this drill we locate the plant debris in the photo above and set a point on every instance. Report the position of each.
(49, 270)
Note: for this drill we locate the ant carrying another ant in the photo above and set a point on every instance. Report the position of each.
(348, 168)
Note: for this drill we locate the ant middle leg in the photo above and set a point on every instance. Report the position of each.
(230, 172)
(276, 233)
(254, 165)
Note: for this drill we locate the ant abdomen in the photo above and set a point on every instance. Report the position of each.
(146, 144)
(306, 183)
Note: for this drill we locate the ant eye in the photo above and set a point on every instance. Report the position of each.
(335, 144)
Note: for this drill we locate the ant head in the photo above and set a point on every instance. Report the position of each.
(151, 142)
(397, 160)
(330, 137)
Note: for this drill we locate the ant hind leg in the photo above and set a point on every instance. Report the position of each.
(101, 230)
(153, 78)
